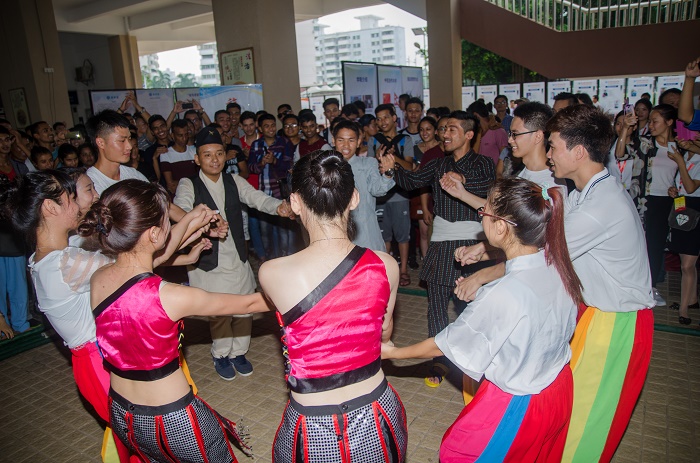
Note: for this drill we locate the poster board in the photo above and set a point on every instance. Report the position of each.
(612, 95)
(590, 87)
(534, 91)
(487, 92)
(638, 85)
(187, 94)
(389, 87)
(250, 97)
(556, 87)
(468, 96)
(510, 91)
(359, 83)
(237, 67)
(412, 81)
(107, 99)
(156, 100)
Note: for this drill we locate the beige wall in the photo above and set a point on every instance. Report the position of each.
(622, 51)
(124, 55)
(268, 27)
(30, 44)
(445, 78)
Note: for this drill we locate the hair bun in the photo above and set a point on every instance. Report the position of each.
(97, 220)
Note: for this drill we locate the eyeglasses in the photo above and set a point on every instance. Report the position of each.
(515, 135)
(291, 126)
(481, 213)
(442, 129)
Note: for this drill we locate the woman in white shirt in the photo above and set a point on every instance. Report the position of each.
(627, 154)
(515, 333)
(687, 243)
(658, 175)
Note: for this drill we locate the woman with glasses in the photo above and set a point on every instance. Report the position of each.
(515, 334)
(500, 104)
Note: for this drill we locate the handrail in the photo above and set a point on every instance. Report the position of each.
(577, 15)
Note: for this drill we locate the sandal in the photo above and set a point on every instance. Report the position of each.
(404, 279)
(437, 370)
(684, 321)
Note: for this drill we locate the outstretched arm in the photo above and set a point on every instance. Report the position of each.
(423, 350)
(183, 301)
(685, 105)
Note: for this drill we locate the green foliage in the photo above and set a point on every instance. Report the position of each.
(483, 67)
(186, 80)
(161, 80)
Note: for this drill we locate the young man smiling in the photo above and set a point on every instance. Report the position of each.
(312, 140)
(226, 268)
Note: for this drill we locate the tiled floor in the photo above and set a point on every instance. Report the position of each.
(42, 418)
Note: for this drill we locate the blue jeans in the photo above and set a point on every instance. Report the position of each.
(254, 232)
(275, 236)
(13, 283)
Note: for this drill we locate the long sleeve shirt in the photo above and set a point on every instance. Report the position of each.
(271, 174)
(478, 171)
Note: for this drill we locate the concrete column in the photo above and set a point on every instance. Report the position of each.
(124, 55)
(268, 27)
(445, 48)
(32, 60)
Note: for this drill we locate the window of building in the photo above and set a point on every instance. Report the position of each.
(375, 35)
(387, 32)
(374, 44)
(388, 41)
(388, 49)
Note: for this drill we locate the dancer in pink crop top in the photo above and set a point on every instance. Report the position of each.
(138, 317)
(335, 303)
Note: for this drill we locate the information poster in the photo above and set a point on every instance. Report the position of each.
(612, 95)
(426, 97)
(156, 100)
(636, 86)
(412, 81)
(510, 91)
(663, 83)
(360, 83)
(554, 88)
(187, 94)
(107, 99)
(468, 96)
(250, 97)
(390, 88)
(486, 92)
(316, 105)
(534, 91)
(237, 67)
(589, 87)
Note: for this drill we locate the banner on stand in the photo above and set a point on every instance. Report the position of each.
(156, 100)
(250, 97)
(590, 87)
(510, 91)
(636, 86)
(663, 83)
(534, 91)
(486, 92)
(468, 96)
(554, 88)
(390, 88)
(412, 81)
(108, 99)
(612, 95)
(360, 83)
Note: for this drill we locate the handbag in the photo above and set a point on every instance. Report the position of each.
(685, 219)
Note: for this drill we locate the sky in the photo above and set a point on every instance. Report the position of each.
(186, 60)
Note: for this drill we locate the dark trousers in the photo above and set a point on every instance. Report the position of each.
(656, 224)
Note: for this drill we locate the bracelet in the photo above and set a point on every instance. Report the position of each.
(119, 110)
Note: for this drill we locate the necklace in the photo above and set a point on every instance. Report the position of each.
(327, 239)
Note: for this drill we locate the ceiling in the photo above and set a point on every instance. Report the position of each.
(161, 25)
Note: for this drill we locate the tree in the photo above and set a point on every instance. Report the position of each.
(186, 80)
(146, 77)
(482, 67)
(161, 80)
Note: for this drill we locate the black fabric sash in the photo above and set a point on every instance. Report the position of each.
(102, 306)
(145, 375)
(327, 383)
(325, 287)
(209, 260)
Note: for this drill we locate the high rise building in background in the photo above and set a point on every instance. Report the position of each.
(149, 65)
(209, 64)
(370, 44)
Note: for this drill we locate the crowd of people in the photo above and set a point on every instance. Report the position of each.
(546, 227)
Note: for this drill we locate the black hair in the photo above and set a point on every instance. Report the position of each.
(433, 112)
(73, 172)
(346, 124)
(106, 122)
(58, 124)
(570, 97)
(415, 100)
(64, 150)
(221, 111)
(233, 105)
(266, 117)
(468, 121)
(290, 116)
(668, 113)
(214, 125)
(155, 118)
(584, 125)
(21, 204)
(479, 109)
(503, 97)
(360, 105)
(284, 106)
(191, 111)
(4, 131)
(534, 115)
(125, 210)
(178, 124)
(350, 110)
(307, 116)
(366, 120)
(584, 98)
(37, 151)
(385, 107)
(247, 115)
(33, 129)
(540, 223)
(325, 183)
(443, 111)
(330, 101)
(670, 91)
(644, 102)
(429, 120)
(404, 97)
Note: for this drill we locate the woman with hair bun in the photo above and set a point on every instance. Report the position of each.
(138, 318)
(335, 303)
(515, 334)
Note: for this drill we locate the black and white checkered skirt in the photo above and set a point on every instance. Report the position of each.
(368, 429)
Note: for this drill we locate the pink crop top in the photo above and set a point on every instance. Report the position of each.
(137, 339)
(333, 336)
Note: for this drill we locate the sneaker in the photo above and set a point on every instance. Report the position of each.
(660, 301)
(224, 368)
(242, 365)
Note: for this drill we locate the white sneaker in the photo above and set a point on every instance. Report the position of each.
(660, 301)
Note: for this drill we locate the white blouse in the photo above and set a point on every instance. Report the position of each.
(62, 282)
(516, 332)
(693, 166)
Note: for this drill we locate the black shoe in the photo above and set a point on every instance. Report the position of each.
(413, 264)
(684, 320)
(677, 306)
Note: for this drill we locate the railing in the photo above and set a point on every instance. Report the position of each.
(580, 15)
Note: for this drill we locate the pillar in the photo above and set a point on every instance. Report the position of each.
(32, 61)
(268, 27)
(124, 55)
(445, 45)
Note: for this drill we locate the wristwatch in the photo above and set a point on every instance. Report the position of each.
(389, 173)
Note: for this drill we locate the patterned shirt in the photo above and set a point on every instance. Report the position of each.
(271, 174)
